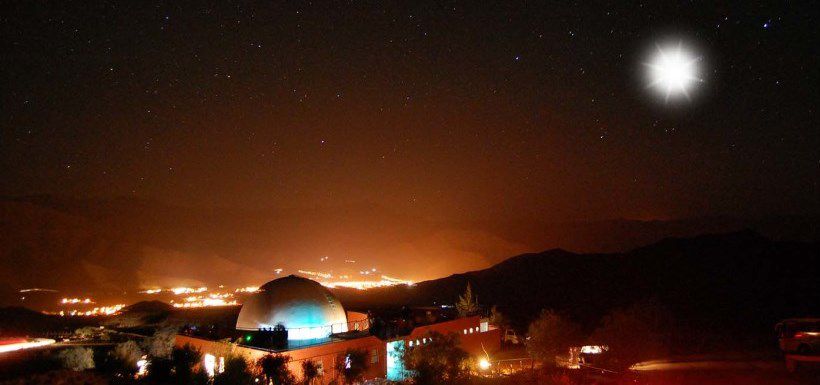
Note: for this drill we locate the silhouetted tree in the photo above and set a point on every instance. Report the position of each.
(160, 372)
(162, 342)
(352, 365)
(310, 370)
(636, 333)
(274, 368)
(77, 359)
(551, 334)
(236, 372)
(497, 318)
(184, 359)
(467, 303)
(439, 361)
(125, 356)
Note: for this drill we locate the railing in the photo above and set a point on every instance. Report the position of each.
(308, 336)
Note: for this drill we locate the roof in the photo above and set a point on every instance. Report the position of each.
(299, 304)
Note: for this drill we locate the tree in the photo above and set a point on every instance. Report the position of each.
(162, 342)
(126, 355)
(160, 371)
(183, 361)
(87, 332)
(551, 334)
(439, 361)
(636, 333)
(497, 318)
(310, 371)
(467, 304)
(274, 368)
(352, 365)
(77, 359)
(236, 372)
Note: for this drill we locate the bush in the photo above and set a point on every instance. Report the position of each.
(636, 333)
(125, 356)
(236, 372)
(352, 365)
(551, 334)
(161, 344)
(77, 359)
(310, 370)
(183, 360)
(274, 368)
(439, 361)
(159, 371)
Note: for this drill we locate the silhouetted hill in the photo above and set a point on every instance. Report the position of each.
(105, 247)
(739, 281)
(18, 321)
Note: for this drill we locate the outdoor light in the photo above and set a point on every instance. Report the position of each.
(483, 364)
(209, 363)
(142, 366)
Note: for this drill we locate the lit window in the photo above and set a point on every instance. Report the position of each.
(411, 344)
(465, 331)
(424, 340)
(417, 342)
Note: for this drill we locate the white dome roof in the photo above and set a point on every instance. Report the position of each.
(307, 309)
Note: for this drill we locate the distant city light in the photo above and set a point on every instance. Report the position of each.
(188, 290)
(97, 311)
(364, 285)
(72, 301)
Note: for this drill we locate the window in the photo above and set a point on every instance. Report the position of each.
(374, 356)
(465, 331)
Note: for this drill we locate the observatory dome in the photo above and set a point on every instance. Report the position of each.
(304, 307)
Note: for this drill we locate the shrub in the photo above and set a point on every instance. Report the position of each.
(77, 359)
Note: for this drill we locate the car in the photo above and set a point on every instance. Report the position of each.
(799, 336)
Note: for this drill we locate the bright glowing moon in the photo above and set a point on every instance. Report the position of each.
(673, 71)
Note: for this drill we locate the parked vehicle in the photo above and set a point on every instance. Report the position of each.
(799, 336)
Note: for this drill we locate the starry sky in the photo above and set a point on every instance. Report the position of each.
(446, 110)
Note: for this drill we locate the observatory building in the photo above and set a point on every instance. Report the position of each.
(305, 308)
(302, 319)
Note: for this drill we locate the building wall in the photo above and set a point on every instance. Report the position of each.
(471, 338)
(327, 355)
(475, 343)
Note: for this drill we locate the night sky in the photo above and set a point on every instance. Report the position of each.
(446, 110)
